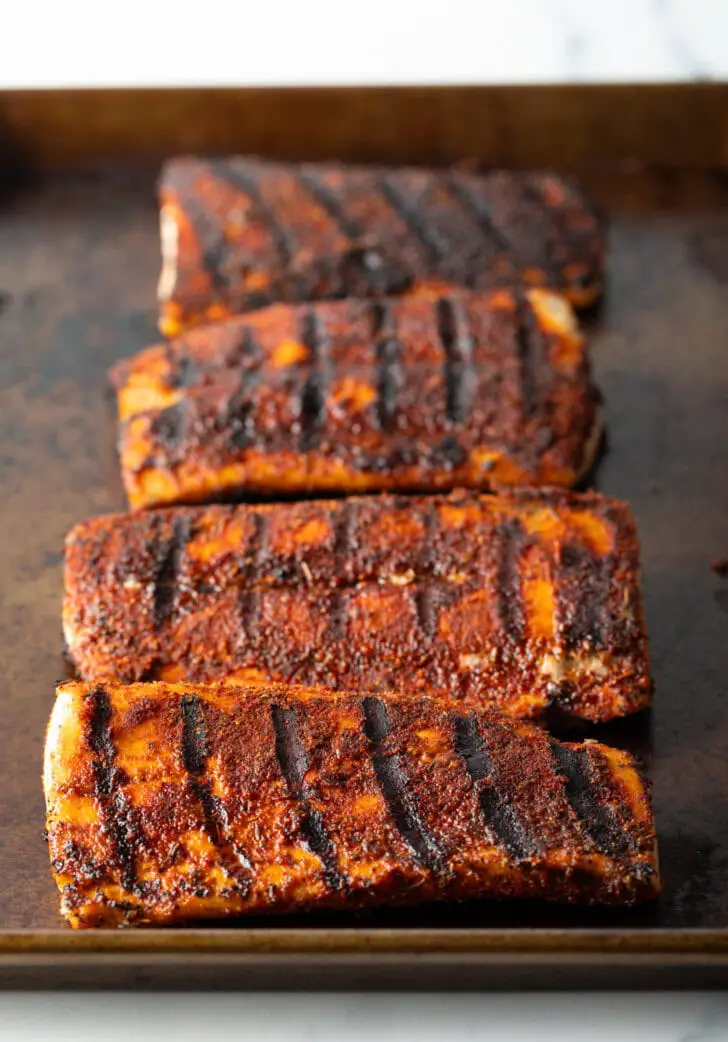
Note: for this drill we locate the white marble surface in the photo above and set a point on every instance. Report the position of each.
(691, 1017)
(133, 42)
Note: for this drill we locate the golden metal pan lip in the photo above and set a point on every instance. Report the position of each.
(281, 942)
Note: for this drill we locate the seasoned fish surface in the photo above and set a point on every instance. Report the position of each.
(524, 601)
(168, 803)
(468, 390)
(239, 233)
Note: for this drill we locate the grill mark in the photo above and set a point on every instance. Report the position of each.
(246, 346)
(343, 545)
(596, 816)
(116, 811)
(194, 750)
(166, 578)
(393, 781)
(430, 526)
(427, 609)
(343, 549)
(246, 183)
(210, 236)
(528, 346)
(499, 814)
(194, 734)
(388, 350)
(182, 370)
(477, 209)
(415, 219)
(313, 395)
(582, 599)
(330, 202)
(458, 351)
(548, 236)
(293, 764)
(249, 592)
(510, 537)
(388, 358)
(426, 604)
(169, 429)
(239, 431)
(381, 318)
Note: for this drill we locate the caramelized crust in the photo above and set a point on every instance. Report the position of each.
(169, 803)
(473, 390)
(240, 233)
(523, 601)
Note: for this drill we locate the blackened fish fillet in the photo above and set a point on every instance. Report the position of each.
(169, 803)
(522, 602)
(479, 390)
(239, 233)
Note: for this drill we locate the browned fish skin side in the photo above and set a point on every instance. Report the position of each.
(525, 602)
(209, 802)
(476, 390)
(239, 233)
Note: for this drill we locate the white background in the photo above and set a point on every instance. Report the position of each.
(143, 42)
(147, 42)
(365, 1018)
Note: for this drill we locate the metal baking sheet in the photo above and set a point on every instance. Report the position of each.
(79, 259)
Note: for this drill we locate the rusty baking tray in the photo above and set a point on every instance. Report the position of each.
(79, 259)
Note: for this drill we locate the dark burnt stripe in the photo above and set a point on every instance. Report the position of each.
(343, 538)
(338, 615)
(343, 549)
(258, 546)
(166, 577)
(237, 420)
(182, 370)
(430, 527)
(426, 606)
(510, 537)
(416, 220)
(169, 429)
(549, 236)
(388, 358)
(116, 811)
(582, 593)
(498, 812)
(589, 801)
(293, 763)
(477, 209)
(530, 351)
(313, 394)
(426, 609)
(244, 348)
(210, 235)
(194, 752)
(194, 734)
(329, 201)
(254, 571)
(393, 781)
(245, 182)
(381, 319)
(458, 349)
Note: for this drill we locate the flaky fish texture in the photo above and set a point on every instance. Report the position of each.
(524, 602)
(239, 233)
(477, 390)
(169, 803)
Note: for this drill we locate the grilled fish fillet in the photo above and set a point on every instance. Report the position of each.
(524, 602)
(168, 803)
(473, 390)
(239, 233)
